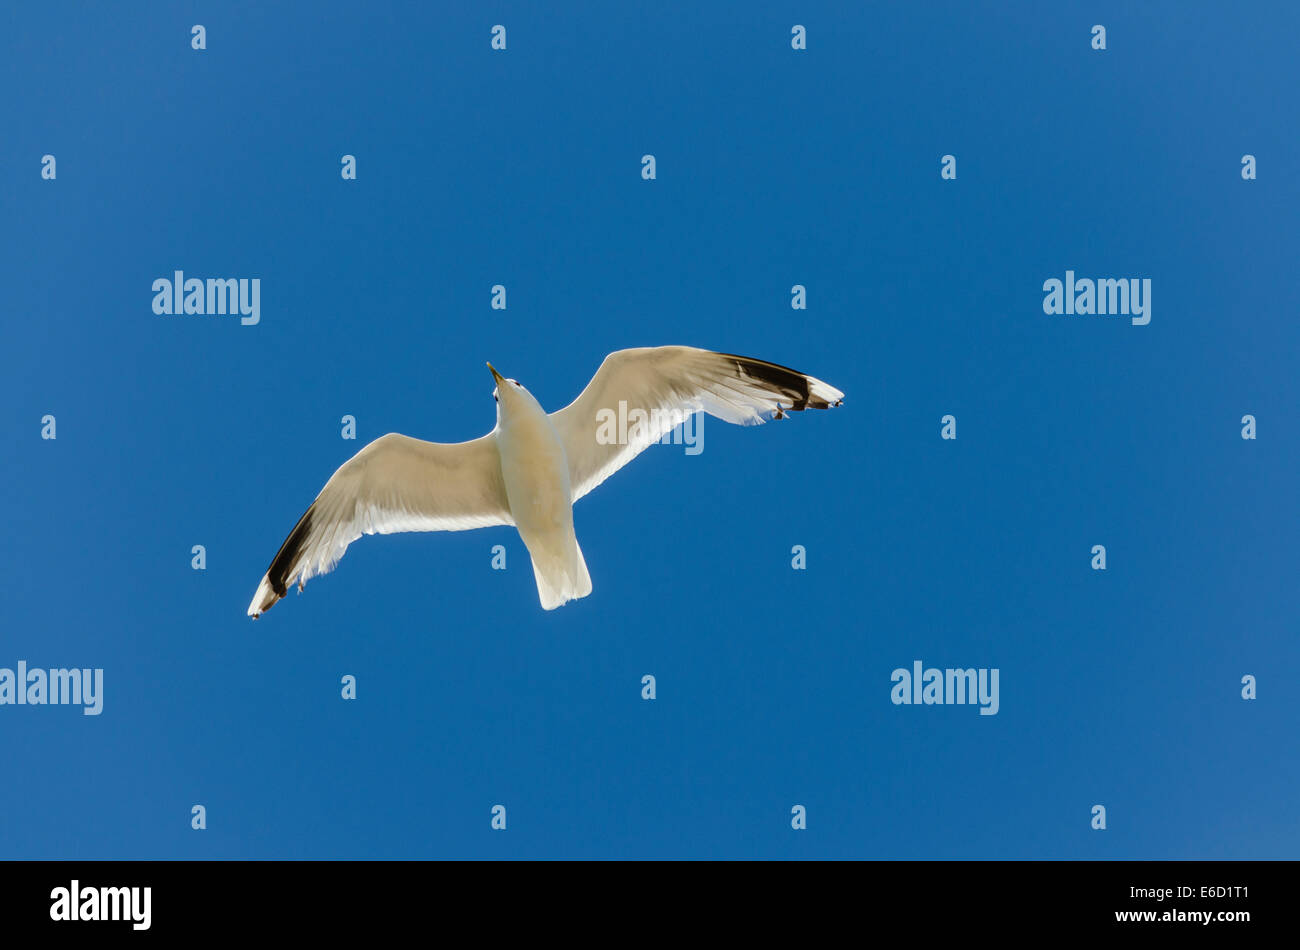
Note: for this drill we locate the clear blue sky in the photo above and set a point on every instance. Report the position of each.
(775, 167)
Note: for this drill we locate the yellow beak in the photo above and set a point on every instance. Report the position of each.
(495, 375)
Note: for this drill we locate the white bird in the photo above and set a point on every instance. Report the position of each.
(530, 469)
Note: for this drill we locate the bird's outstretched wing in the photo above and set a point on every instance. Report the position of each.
(394, 484)
(639, 395)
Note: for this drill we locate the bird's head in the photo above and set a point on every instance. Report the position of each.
(510, 394)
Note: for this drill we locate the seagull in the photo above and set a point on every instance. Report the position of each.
(531, 468)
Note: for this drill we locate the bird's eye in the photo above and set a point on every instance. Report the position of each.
(494, 395)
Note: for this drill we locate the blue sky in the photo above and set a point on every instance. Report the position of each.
(774, 167)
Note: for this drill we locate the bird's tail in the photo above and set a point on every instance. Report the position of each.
(561, 579)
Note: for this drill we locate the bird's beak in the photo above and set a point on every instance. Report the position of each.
(495, 374)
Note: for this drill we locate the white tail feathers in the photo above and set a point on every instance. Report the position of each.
(561, 579)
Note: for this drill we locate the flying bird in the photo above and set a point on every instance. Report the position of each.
(531, 468)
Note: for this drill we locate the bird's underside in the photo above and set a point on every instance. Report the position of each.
(533, 463)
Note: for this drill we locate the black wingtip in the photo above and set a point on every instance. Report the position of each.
(789, 382)
(279, 571)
